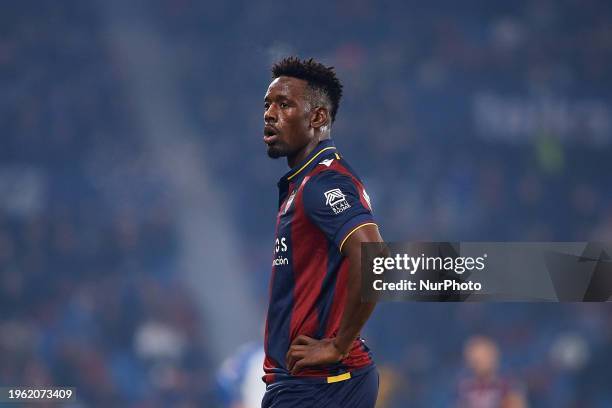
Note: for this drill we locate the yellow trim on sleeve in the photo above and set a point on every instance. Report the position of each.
(309, 161)
(338, 378)
(355, 229)
(337, 156)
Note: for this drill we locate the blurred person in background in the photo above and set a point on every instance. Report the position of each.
(239, 378)
(484, 387)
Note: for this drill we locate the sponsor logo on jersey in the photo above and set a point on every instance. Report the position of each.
(280, 247)
(336, 200)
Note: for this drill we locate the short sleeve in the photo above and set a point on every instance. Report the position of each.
(333, 202)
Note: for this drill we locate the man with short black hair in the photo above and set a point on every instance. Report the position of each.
(314, 355)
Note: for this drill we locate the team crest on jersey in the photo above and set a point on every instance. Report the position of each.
(288, 204)
(336, 200)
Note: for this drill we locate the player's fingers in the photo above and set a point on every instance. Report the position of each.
(298, 353)
(299, 340)
(293, 356)
(290, 362)
(300, 364)
(293, 349)
(302, 340)
(296, 347)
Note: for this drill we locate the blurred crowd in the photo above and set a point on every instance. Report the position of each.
(468, 120)
(89, 294)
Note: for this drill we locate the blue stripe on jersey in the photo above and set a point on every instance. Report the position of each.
(281, 308)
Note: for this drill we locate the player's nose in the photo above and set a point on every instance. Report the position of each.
(270, 114)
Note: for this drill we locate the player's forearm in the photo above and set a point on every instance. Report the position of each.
(356, 312)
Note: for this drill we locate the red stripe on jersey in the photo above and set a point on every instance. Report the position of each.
(309, 266)
(340, 293)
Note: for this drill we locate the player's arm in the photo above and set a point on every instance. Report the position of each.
(306, 351)
(347, 223)
(356, 312)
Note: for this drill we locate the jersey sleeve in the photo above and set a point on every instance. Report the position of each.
(335, 204)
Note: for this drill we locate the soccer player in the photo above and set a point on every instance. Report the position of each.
(314, 355)
(485, 387)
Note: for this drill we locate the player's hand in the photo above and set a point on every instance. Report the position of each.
(306, 351)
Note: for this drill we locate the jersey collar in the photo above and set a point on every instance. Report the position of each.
(323, 148)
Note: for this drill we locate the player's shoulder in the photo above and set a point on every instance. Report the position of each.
(331, 180)
(331, 168)
(328, 172)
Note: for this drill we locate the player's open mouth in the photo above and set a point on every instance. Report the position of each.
(269, 140)
(270, 134)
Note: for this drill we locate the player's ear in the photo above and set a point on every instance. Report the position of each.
(319, 117)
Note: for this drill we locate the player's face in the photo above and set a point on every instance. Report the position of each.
(482, 357)
(287, 130)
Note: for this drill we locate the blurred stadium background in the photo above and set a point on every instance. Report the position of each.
(137, 203)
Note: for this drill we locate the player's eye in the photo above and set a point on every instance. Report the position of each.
(283, 105)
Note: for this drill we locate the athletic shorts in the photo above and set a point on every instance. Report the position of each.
(356, 392)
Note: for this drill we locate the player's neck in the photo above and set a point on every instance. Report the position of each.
(301, 155)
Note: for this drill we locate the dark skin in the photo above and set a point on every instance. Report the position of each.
(293, 128)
